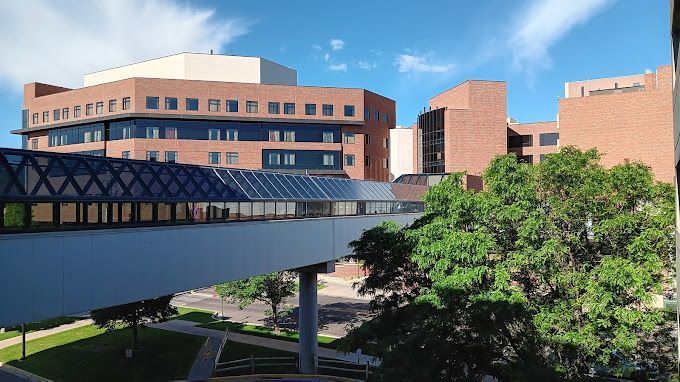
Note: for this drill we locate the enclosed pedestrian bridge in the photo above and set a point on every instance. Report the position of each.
(82, 232)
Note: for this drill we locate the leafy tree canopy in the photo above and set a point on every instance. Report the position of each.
(551, 268)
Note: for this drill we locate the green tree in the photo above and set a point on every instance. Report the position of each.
(550, 268)
(133, 314)
(272, 289)
(14, 215)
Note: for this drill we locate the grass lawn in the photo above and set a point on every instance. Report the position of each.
(194, 315)
(261, 331)
(236, 350)
(38, 325)
(92, 354)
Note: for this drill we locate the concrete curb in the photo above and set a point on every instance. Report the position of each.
(28, 376)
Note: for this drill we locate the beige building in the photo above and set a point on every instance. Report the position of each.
(401, 151)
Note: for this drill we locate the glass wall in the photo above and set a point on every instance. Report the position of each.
(301, 159)
(93, 132)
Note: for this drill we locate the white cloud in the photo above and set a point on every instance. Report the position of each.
(316, 47)
(70, 38)
(543, 23)
(411, 63)
(337, 44)
(366, 65)
(326, 57)
(338, 67)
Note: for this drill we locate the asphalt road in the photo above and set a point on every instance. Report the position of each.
(335, 313)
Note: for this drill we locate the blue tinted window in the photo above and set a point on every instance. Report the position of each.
(192, 104)
(349, 110)
(310, 109)
(152, 102)
(170, 103)
(232, 106)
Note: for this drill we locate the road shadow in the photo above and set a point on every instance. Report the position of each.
(339, 313)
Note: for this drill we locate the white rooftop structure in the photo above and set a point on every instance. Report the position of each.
(199, 66)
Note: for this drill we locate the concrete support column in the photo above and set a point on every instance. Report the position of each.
(308, 323)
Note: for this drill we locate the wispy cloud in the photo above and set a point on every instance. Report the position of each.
(340, 67)
(326, 57)
(63, 44)
(337, 44)
(542, 24)
(363, 65)
(317, 47)
(410, 63)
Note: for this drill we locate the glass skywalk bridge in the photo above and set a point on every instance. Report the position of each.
(45, 191)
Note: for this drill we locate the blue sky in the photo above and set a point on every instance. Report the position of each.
(405, 50)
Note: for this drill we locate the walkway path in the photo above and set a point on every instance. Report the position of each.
(44, 333)
(205, 359)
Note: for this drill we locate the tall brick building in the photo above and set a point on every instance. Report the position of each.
(228, 111)
(626, 118)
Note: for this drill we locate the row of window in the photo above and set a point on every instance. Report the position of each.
(51, 216)
(232, 106)
(545, 139)
(90, 109)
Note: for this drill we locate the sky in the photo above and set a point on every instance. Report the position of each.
(405, 50)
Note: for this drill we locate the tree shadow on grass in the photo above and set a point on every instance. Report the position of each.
(165, 355)
(330, 314)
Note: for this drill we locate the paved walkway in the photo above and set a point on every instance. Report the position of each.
(205, 359)
(44, 333)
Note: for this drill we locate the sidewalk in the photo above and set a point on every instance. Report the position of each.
(44, 333)
(202, 368)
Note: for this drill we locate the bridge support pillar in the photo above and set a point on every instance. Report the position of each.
(309, 316)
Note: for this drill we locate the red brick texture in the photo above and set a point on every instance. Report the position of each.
(636, 126)
(534, 129)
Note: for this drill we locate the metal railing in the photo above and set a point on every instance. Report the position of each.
(348, 367)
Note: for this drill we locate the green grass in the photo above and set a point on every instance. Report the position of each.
(92, 354)
(261, 331)
(194, 315)
(236, 350)
(38, 325)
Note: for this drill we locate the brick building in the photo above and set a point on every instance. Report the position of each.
(228, 111)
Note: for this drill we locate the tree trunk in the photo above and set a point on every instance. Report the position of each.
(275, 318)
(134, 335)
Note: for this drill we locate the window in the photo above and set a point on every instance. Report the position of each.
(232, 158)
(274, 158)
(376, 115)
(386, 118)
(126, 103)
(35, 118)
(386, 143)
(367, 139)
(549, 139)
(100, 108)
(171, 156)
(528, 159)
(232, 134)
(327, 110)
(170, 103)
(170, 133)
(274, 108)
(327, 137)
(251, 106)
(34, 143)
(274, 136)
(520, 141)
(385, 163)
(348, 138)
(583, 91)
(214, 158)
(213, 105)
(57, 114)
(367, 161)
(232, 106)
(152, 156)
(349, 110)
(542, 157)
(289, 159)
(64, 113)
(152, 102)
(328, 159)
(125, 155)
(46, 116)
(112, 105)
(288, 108)
(214, 134)
(151, 132)
(76, 111)
(310, 109)
(289, 136)
(367, 113)
(349, 159)
(192, 104)
(88, 109)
